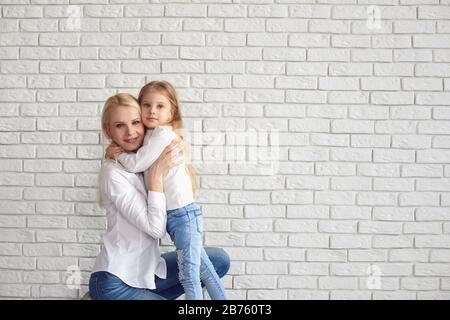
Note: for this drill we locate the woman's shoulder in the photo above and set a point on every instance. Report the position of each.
(112, 169)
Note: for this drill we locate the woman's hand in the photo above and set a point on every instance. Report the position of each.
(113, 151)
(171, 156)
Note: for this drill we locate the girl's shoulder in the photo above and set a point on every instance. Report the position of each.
(160, 131)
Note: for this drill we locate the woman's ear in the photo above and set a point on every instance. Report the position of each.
(107, 133)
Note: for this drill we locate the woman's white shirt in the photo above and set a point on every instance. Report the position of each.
(136, 220)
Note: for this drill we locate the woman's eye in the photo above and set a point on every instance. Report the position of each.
(120, 125)
(136, 122)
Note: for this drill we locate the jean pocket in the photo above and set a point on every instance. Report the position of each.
(199, 222)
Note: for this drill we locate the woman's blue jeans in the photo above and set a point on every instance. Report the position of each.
(106, 286)
(185, 227)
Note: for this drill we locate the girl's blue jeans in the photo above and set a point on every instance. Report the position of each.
(185, 227)
(106, 286)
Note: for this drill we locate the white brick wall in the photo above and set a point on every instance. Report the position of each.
(352, 113)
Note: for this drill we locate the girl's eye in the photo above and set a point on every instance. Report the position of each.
(160, 106)
(146, 105)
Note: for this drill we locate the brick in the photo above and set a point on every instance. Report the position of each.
(56, 236)
(369, 255)
(42, 165)
(336, 226)
(299, 40)
(40, 277)
(17, 151)
(407, 255)
(350, 69)
(16, 290)
(435, 241)
(271, 40)
(373, 227)
(329, 26)
(8, 221)
(42, 194)
(47, 222)
(39, 109)
(222, 239)
(21, 263)
(16, 95)
(327, 255)
(254, 282)
(438, 255)
(225, 39)
(242, 25)
(309, 240)
(41, 249)
(392, 241)
(9, 53)
(266, 67)
(17, 124)
(431, 269)
(79, 250)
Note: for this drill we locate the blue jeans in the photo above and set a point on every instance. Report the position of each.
(106, 286)
(185, 227)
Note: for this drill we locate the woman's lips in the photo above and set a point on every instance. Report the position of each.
(131, 140)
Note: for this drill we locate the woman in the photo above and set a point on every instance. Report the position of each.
(130, 265)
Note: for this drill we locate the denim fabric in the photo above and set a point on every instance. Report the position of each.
(106, 286)
(185, 227)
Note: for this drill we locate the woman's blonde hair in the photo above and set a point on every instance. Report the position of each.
(168, 90)
(117, 100)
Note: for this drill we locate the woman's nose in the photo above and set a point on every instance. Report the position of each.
(130, 130)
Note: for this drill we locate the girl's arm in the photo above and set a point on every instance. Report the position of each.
(147, 154)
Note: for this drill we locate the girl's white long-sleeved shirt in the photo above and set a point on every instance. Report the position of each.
(177, 183)
(136, 220)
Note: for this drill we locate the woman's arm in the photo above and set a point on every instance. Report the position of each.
(171, 156)
(147, 214)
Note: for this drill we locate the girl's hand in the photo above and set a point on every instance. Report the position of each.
(171, 156)
(113, 151)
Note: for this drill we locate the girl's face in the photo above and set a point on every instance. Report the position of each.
(156, 109)
(125, 128)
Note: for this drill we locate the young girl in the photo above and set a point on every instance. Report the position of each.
(161, 116)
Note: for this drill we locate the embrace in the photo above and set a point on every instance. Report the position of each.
(147, 189)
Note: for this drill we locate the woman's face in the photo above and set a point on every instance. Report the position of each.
(125, 128)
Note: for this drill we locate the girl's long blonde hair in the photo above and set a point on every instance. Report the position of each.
(122, 100)
(165, 88)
